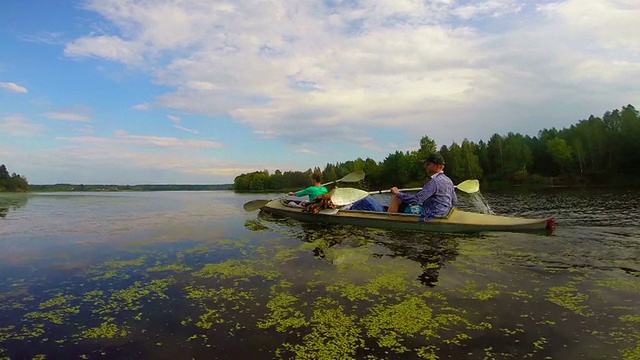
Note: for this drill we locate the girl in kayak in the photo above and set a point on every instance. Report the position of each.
(314, 190)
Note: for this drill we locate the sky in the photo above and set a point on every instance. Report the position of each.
(200, 91)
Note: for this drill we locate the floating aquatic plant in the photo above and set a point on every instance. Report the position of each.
(107, 330)
(334, 335)
(170, 267)
(390, 324)
(569, 298)
(237, 269)
(282, 314)
(394, 282)
(118, 264)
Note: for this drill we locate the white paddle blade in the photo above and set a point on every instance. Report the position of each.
(469, 186)
(346, 196)
(353, 177)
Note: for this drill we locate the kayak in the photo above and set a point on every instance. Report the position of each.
(457, 221)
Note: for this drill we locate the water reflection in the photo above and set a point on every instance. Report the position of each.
(430, 250)
(11, 202)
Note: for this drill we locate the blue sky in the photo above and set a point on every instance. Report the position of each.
(200, 91)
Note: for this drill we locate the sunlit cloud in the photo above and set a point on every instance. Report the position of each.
(17, 125)
(77, 113)
(306, 151)
(142, 107)
(49, 38)
(265, 134)
(174, 119)
(186, 129)
(106, 47)
(13, 87)
(123, 138)
(87, 129)
(490, 8)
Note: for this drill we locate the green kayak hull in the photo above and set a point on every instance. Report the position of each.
(457, 221)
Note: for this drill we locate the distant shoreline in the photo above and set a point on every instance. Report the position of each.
(114, 188)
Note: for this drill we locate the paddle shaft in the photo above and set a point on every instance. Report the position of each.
(400, 190)
(329, 183)
(468, 186)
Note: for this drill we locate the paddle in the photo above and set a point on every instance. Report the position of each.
(257, 204)
(344, 196)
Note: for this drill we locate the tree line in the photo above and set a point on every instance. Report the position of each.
(13, 182)
(596, 150)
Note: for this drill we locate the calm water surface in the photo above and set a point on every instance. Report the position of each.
(182, 275)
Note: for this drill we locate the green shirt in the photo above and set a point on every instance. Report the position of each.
(313, 192)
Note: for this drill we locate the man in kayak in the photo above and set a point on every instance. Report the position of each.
(314, 190)
(436, 199)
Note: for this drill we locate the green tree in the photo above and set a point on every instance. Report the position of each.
(630, 123)
(517, 154)
(560, 151)
(395, 170)
(4, 173)
(13, 182)
(427, 147)
(454, 160)
(471, 168)
(372, 172)
(495, 154)
(483, 158)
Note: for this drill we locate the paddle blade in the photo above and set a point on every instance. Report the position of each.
(469, 186)
(345, 196)
(254, 205)
(353, 177)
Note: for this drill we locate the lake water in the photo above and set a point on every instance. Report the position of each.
(182, 275)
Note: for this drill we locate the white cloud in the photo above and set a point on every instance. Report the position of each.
(123, 139)
(142, 107)
(186, 129)
(490, 8)
(174, 119)
(49, 38)
(106, 47)
(87, 129)
(612, 24)
(78, 114)
(17, 125)
(293, 70)
(13, 87)
(306, 151)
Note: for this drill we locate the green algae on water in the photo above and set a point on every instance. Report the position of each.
(569, 298)
(107, 330)
(393, 282)
(171, 267)
(389, 324)
(58, 308)
(59, 300)
(238, 269)
(130, 298)
(282, 314)
(334, 335)
(119, 264)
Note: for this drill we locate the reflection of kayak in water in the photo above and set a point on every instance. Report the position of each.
(457, 220)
